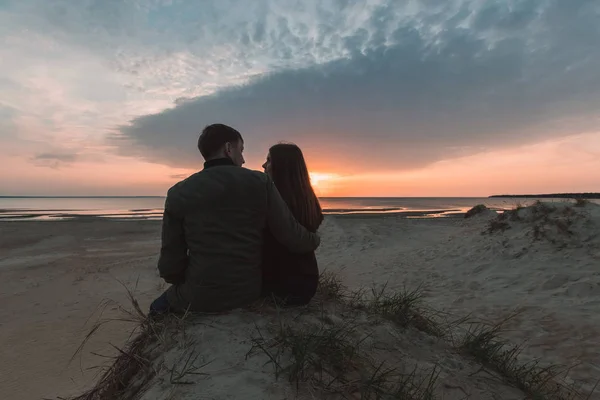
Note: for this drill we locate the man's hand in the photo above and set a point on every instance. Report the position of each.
(284, 226)
(174, 279)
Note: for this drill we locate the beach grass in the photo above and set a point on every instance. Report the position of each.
(121, 379)
(546, 221)
(331, 286)
(404, 307)
(483, 341)
(334, 360)
(130, 360)
(579, 202)
(331, 358)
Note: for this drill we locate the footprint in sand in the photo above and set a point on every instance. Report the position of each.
(584, 289)
(555, 282)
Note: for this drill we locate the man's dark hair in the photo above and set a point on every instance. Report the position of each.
(214, 137)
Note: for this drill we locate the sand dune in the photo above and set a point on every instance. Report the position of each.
(552, 278)
(233, 365)
(543, 263)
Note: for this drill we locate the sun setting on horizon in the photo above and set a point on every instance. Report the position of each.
(321, 182)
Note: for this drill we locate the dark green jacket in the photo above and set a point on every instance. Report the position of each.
(212, 236)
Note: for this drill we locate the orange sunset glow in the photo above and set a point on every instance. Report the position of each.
(523, 169)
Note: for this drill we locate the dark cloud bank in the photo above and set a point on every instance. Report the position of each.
(512, 77)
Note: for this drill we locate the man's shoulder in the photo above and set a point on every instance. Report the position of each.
(233, 171)
(208, 174)
(181, 184)
(260, 176)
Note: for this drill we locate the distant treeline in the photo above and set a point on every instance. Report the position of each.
(552, 196)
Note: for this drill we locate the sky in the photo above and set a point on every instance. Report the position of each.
(385, 97)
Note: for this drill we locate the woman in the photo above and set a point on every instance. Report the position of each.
(290, 277)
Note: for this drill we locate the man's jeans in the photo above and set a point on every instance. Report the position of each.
(159, 306)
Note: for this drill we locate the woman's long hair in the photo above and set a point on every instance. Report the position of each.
(290, 175)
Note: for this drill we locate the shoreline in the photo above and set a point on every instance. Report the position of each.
(399, 207)
(561, 196)
(8, 216)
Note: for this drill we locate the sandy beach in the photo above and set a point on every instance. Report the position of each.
(57, 276)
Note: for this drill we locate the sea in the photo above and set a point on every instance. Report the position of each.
(149, 207)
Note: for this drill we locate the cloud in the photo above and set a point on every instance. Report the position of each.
(75, 70)
(372, 84)
(54, 160)
(178, 176)
(6, 124)
(448, 82)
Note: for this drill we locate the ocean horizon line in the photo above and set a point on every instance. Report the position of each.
(163, 196)
(79, 197)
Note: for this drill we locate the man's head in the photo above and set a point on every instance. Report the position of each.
(221, 141)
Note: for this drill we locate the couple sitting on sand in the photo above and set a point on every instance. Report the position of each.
(230, 235)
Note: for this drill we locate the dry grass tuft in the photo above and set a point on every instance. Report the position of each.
(581, 202)
(118, 379)
(332, 361)
(478, 209)
(483, 343)
(498, 224)
(132, 368)
(404, 308)
(548, 222)
(185, 366)
(401, 307)
(319, 356)
(387, 383)
(331, 287)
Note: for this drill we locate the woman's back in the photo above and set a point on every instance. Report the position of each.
(290, 276)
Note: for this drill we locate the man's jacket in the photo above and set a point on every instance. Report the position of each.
(212, 236)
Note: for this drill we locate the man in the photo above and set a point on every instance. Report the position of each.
(213, 226)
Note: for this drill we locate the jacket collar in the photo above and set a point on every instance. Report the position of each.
(217, 162)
